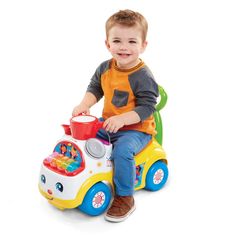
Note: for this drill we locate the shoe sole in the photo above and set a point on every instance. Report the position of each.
(119, 219)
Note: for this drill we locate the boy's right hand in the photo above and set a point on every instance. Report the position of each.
(80, 109)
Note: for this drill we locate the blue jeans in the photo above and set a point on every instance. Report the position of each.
(126, 144)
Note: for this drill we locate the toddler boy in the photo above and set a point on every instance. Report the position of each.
(130, 94)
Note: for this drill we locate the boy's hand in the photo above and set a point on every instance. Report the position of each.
(113, 124)
(80, 109)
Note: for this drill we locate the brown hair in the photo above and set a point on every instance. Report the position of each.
(128, 18)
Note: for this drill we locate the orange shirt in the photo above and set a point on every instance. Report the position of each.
(126, 90)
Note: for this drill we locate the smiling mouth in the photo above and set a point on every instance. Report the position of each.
(123, 54)
(49, 198)
(45, 194)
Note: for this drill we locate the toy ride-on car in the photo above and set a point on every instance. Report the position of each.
(78, 173)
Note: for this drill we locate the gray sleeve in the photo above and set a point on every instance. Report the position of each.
(145, 90)
(95, 86)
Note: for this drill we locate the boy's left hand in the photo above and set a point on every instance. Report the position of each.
(113, 124)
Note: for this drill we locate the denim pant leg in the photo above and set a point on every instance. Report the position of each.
(126, 145)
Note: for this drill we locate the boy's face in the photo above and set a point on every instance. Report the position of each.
(125, 44)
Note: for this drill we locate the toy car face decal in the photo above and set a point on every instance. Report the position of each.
(55, 186)
(59, 186)
(43, 179)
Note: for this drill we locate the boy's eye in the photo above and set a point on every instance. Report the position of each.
(132, 41)
(116, 41)
(43, 179)
(59, 187)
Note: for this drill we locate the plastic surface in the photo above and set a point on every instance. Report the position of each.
(96, 199)
(157, 116)
(66, 159)
(84, 127)
(66, 129)
(156, 176)
(95, 148)
(79, 172)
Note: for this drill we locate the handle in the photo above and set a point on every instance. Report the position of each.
(163, 100)
(100, 126)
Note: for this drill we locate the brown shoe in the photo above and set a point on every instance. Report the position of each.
(120, 209)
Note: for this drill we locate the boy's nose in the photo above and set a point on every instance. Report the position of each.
(123, 47)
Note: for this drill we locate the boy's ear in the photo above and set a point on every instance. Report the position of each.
(144, 45)
(107, 44)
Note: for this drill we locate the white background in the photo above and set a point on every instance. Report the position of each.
(48, 53)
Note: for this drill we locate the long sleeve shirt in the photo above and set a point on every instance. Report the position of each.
(126, 90)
